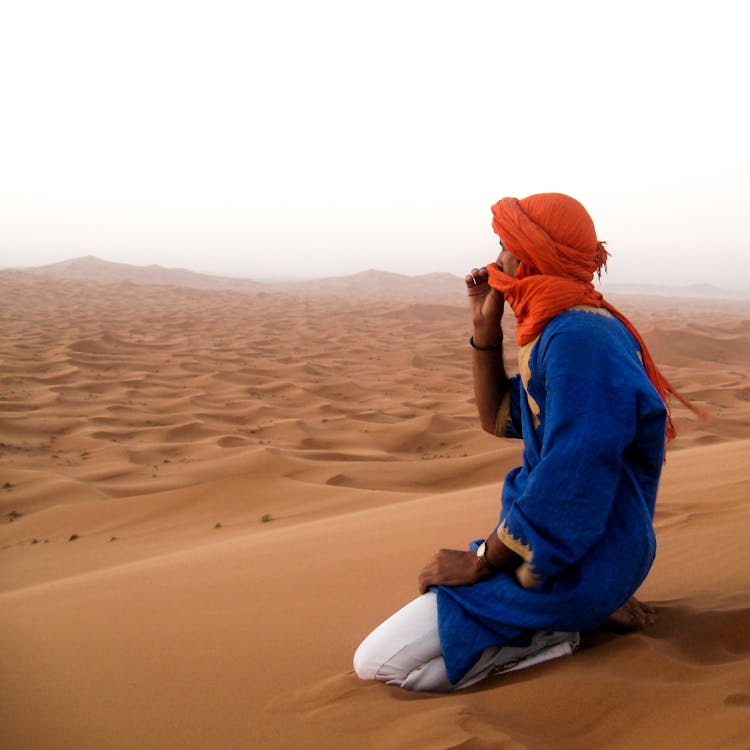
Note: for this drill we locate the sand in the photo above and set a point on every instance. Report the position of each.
(209, 497)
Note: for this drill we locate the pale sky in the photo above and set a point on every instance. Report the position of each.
(324, 138)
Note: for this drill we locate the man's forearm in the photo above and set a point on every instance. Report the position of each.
(490, 382)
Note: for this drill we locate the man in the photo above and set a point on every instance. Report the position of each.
(575, 537)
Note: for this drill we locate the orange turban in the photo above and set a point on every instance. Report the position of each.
(554, 238)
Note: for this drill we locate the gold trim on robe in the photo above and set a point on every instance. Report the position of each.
(524, 355)
(524, 572)
(593, 310)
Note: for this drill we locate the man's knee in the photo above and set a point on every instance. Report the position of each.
(369, 664)
(374, 660)
(366, 665)
(403, 642)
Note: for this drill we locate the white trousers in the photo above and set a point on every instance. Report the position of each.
(405, 651)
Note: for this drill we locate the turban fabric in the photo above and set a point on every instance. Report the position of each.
(553, 237)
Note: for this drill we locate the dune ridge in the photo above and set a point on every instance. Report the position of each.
(209, 496)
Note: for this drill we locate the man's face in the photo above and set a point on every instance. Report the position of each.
(507, 262)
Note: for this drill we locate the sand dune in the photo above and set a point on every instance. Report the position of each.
(91, 268)
(209, 497)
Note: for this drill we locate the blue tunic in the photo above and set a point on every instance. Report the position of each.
(579, 510)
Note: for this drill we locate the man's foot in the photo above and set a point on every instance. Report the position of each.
(633, 615)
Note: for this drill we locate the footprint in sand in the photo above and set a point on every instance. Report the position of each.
(739, 700)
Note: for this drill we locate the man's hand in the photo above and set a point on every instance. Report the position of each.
(486, 308)
(452, 567)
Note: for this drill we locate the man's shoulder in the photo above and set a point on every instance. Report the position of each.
(587, 331)
(582, 320)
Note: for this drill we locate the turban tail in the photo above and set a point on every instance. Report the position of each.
(554, 239)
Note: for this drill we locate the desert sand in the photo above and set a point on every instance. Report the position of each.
(210, 497)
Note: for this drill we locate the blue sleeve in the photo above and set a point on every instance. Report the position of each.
(589, 418)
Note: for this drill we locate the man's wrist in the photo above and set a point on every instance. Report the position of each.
(484, 562)
(486, 345)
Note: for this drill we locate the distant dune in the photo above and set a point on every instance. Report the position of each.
(701, 291)
(376, 285)
(440, 288)
(386, 285)
(91, 268)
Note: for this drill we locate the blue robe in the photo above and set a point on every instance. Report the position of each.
(579, 510)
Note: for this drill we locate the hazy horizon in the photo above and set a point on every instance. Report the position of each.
(604, 284)
(296, 140)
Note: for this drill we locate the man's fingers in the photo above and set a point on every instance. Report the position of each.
(473, 277)
(424, 583)
(479, 274)
(426, 577)
(476, 277)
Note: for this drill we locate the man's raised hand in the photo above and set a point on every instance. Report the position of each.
(486, 308)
